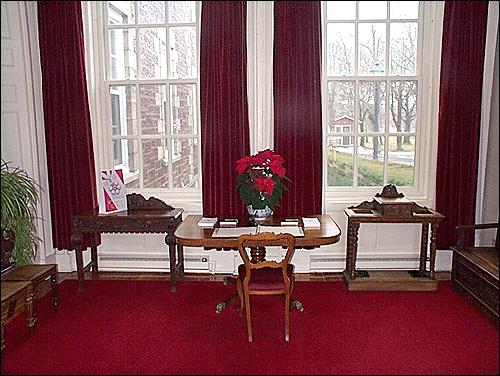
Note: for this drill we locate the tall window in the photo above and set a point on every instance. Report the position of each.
(151, 86)
(372, 92)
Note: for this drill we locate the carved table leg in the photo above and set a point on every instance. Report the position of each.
(170, 241)
(76, 242)
(434, 227)
(93, 253)
(55, 287)
(30, 308)
(180, 260)
(352, 248)
(424, 240)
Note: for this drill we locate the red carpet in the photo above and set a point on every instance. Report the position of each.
(139, 327)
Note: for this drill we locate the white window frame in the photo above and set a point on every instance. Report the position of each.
(96, 31)
(429, 51)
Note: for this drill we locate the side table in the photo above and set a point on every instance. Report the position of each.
(392, 207)
(142, 216)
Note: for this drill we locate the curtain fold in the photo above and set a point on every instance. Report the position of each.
(464, 36)
(70, 155)
(297, 103)
(224, 109)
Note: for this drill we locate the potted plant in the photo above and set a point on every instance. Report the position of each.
(19, 196)
(260, 182)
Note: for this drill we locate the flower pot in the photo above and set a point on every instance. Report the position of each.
(260, 215)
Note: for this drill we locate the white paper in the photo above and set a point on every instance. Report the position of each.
(232, 232)
(293, 230)
(311, 222)
(207, 222)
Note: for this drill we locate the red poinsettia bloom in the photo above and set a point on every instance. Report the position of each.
(242, 164)
(276, 166)
(265, 185)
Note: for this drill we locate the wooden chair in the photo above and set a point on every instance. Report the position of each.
(475, 269)
(256, 276)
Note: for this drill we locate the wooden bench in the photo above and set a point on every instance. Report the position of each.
(35, 274)
(475, 270)
(12, 293)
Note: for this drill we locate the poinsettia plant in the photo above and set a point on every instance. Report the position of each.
(260, 179)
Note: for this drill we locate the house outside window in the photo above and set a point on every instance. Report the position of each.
(373, 79)
(151, 52)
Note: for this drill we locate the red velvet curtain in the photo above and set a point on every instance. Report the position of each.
(464, 36)
(297, 103)
(70, 155)
(224, 110)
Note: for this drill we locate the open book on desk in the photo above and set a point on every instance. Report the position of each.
(234, 232)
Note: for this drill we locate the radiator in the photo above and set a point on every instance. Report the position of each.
(192, 263)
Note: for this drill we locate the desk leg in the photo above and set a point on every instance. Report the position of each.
(424, 240)
(170, 241)
(76, 242)
(434, 227)
(352, 248)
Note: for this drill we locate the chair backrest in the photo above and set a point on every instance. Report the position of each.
(249, 243)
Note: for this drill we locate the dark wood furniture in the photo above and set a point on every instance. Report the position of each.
(265, 277)
(475, 269)
(142, 216)
(12, 293)
(189, 234)
(36, 274)
(392, 207)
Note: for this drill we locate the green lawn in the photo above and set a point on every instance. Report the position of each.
(370, 173)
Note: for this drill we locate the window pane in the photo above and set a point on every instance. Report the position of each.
(121, 12)
(152, 52)
(401, 160)
(126, 157)
(122, 57)
(403, 102)
(183, 109)
(340, 156)
(155, 163)
(403, 48)
(151, 11)
(340, 49)
(185, 163)
(181, 11)
(341, 10)
(371, 49)
(372, 106)
(370, 161)
(153, 107)
(404, 9)
(372, 10)
(183, 52)
(123, 110)
(341, 99)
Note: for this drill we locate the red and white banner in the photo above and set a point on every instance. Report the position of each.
(112, 196)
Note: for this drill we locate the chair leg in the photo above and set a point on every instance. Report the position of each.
(239, 287)
(249, 318)
(287, 316)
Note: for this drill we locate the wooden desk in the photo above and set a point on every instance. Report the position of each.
(189, 234)
(392, 207)
(143, 216)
